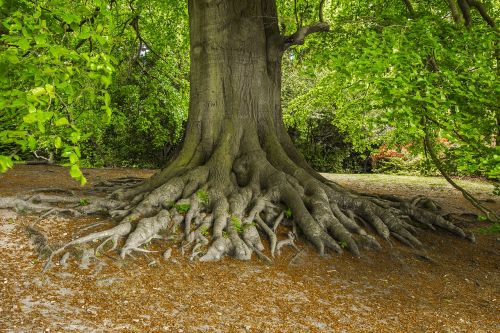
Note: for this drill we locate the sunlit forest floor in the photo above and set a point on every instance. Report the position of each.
(436, 188)
(454, 288)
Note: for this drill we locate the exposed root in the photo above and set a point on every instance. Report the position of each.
(87, 256)
(290, 241)
(64, 259)
(167, 254)
(145, 231)
(224, 206)
(39, 240)
(220, 246)
(229, 223)
(118, 231)
(91, 226)
(33, 204)
(270, 233)
(113, 184)
(278, 221)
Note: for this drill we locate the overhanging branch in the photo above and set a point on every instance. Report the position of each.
(491, 215)
(299, 36)
(464, 7)
(457, 17)
(482, 10)
(464, 14)
(321, 6)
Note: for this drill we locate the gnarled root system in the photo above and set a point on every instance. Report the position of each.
(225, 206)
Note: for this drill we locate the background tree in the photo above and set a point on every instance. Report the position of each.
(150, 88)
(146, 85)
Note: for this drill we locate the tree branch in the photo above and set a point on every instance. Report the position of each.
(135, 25)
(464, 7)
(409, 7)
(321, 6)
(431, 62)
(296, 14)
(492, 216)
(457, 17)
(480, 8)
(299, 36)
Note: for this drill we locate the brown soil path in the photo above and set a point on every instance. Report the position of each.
(457, 290)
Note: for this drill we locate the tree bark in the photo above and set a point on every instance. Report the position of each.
(235, 72)
(455, 13)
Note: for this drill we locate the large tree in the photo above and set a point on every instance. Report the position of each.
(238, 171)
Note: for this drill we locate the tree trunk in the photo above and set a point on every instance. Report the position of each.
(238, 172)
(235, 73)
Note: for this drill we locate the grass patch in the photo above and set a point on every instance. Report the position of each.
(182, 208)
(492, 229)
(202, 196)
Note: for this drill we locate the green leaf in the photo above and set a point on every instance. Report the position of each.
(85, 33)
(77, 151)
(38, 116)
(5, 163)
(44, 116)
(77, 174)
(31, 118)
(106, 81)
(41, 127)
(40, 40)
(75, 137)
(58, 51)
(32, 143)
(73, 158)
(11, 56)
(24, 44)
(57, 142)
(38, 91)
(50, 90)
(62, 121)
(75, 171)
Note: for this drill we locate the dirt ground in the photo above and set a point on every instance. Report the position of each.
(456, 288)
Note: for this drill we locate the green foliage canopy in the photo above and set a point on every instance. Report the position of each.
(53, 56)
(67, 66)
(388, 77)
